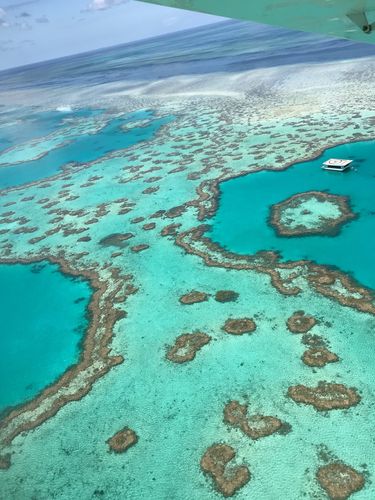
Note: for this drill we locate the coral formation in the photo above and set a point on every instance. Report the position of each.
(318, 357)
(186, 347)
(122, 440)
(254, 426)
(300, 322)
(239, 326)
(325, 396)
(193, 297)
(227, 479)
(339, 480)
(226, 296)
(325, 215)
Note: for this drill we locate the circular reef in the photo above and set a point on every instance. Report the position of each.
(311, 213)
(325, 396)
(299, 322)
(122, 440)
(239, 326)
(227, 479)
(339, 480)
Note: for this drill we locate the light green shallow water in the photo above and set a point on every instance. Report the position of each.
(177, 410)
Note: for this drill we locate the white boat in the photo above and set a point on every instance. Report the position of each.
(336, 164)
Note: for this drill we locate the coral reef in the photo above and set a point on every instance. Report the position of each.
(227, 479)
(300, 322)
(318, 357)
(193, 297)
(239, 326)
(139, 248)
(5, 461)
(116, 239)
(339, 480)
(254, 426)
(291, 217)
(122, 440)
(226, 296)
(186, 347)
(326, 396)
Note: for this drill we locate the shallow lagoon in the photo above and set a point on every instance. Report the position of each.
(82, 148)
(241, 222)
(43, 320)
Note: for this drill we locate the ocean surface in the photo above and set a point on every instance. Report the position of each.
(229, 46)
(241, 222)
(138, 172)
(43, 320)
(78, 148)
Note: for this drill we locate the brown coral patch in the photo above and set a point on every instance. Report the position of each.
(170, 230)
(122, 440)
(325, 396)
(96, 358)
(300, 322)
(254, 426)
(327, 226)
(318, 357)
(339, 480)
(5, 461)
(193, 297)
(149, 226)
(239, 326)
(226, 296)
(175, 211)
(139, 248)
(227, 479)
(186, 347)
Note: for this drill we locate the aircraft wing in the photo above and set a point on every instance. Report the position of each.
(353, 19)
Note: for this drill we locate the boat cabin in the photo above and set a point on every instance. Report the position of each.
(336, 164)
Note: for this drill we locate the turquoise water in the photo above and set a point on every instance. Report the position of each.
(26, 125)
(82, 149)
(240, 224)
(43, 319)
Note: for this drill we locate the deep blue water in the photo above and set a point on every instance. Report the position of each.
(226, 46)
(43, 320)
(82, 149)
(241, 222)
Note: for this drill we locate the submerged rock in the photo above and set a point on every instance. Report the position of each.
(326, 396)
(139, 248)
(122, 440)
(215, 462)
(254, 426)
(115, 239)
(300, 322)
(339, 480)
(187, 346)
(5, 461)
(226, 296)
(193, 297)
(239, 326)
